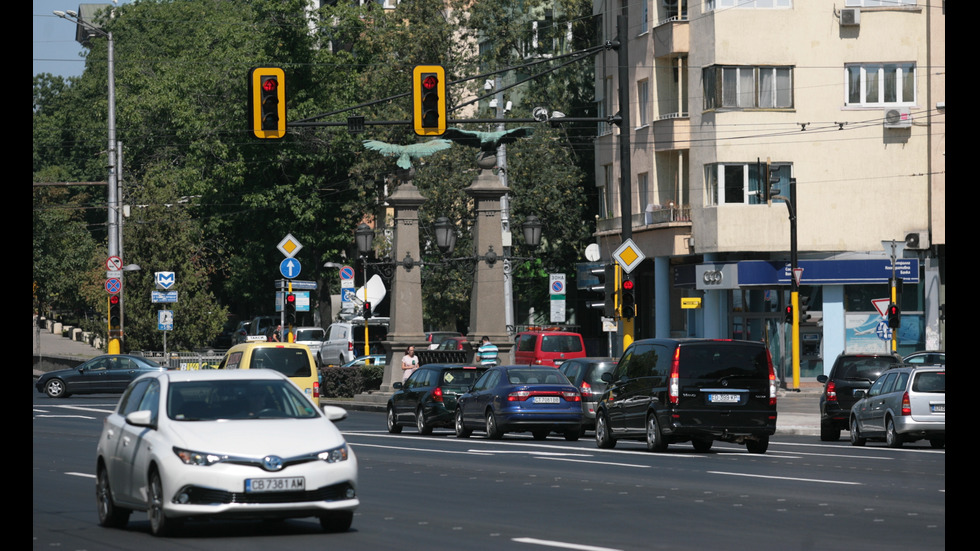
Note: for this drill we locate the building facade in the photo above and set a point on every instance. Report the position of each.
(732, 100)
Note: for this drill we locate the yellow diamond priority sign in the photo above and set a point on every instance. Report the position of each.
(289, 246)
(628, 255)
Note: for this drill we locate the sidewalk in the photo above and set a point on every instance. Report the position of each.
(56, 352)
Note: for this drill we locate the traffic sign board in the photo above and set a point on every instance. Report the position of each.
(629, 255)
(290, 268)
(346, 273)
(164, 280)
(289, 246)
(113, 263)
(556, 284)
(113, 285)
(165, 320)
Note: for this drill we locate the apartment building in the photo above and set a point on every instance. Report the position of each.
(730, 99)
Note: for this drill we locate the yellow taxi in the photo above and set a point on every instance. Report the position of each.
(292, 360)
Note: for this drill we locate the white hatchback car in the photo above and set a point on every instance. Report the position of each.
(216, 443)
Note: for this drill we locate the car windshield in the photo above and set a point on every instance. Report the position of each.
(930, 382)
(218, 400)
(291, 362)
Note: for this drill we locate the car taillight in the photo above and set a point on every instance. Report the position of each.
(350, 345)
(586, 388)
(674, 388)
(437, 394)
(316, 389)
(570, 396)
(518, 396)
(772, 380)
(831, 392)
(906, 405)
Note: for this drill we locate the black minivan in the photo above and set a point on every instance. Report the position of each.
(666, 391)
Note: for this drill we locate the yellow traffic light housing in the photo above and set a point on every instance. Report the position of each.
(429, 100)
(267, 102)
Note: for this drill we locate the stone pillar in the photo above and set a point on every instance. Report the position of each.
(487, 311)
(406, 282)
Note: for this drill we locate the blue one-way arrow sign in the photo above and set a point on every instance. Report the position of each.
(290, 268)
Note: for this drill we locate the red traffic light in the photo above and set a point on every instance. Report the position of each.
(114, 299)
(430, 82)
(290, 298)
(628, 284)
(270, 83)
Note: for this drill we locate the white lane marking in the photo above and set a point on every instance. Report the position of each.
(415, 449)
(563, 544)
(66, 416)
(870, 449)
(83, 475)
(536, 456)
(532, 452)
(818, 481)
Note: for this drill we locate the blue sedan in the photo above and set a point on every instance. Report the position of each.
(520, 398)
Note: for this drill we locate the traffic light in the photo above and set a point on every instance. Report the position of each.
(606, 275)
(429, 100)
(628, 299)
(115, 312)
(291, 309)
(267, 102)
(804, 308)
(894, 316)
(789, 313)
(367, 310)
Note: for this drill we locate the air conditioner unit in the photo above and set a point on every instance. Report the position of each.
(917, 240)
(898, 117)
(850, 17)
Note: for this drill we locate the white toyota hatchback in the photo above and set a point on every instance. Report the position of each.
(230, 444)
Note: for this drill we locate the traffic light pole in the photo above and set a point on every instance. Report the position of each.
(625, 167)
(795, 285)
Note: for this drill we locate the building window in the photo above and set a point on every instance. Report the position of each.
(604, 103)
(710, 5)
(643, 102)
(642, 191)
(747, 87)
(880, 84)
(645, 16)
(879, 3)
(733, 183)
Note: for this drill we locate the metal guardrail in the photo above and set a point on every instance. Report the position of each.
(186, 361)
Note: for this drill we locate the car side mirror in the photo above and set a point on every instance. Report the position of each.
(334, 413)
(397, 386)
(141, 418)
(822, 378)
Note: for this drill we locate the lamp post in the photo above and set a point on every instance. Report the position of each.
(114, 237)
(794, 285)
(364, 236)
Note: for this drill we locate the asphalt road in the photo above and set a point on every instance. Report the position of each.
(439, 491)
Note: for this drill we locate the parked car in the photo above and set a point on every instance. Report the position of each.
(261, 327)
(520, 398)
(549, 348)
(311, 337)
(428, 397)
(435, 338)
(241, 332)
(925, 357)
(373, 359)
(903, 405)
(235, 443)
(850, 372)
(452, 343)
(586, 375)
(345, 340)
(108, 373)
(292, 360)
(667, 391)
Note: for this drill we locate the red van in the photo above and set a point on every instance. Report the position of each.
(549, 348)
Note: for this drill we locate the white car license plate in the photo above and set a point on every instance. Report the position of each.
(723, 398)
(939, 408)
(546, 400)
(287, 484)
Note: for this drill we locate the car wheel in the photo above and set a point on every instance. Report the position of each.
(493, 431)
(461, 430)
(892, 438)
(420, 423)
(540, 434)
(856, 439)
(758, 446)
(937, 443)
(110, 515)
(337, 522)
(702, 445)
(393, 426)
(655, 439)
(603, 438)
(160, 525)
(572, 435)
(55, 388)
(829, 433)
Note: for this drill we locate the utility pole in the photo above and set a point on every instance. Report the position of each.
(625, 168)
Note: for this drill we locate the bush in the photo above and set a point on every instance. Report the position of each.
(346, 382)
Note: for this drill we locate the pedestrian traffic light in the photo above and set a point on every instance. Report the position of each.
(429, 100)
(291, 309)
(894, 316)
(628, 299)
(115, 312)
(267, 102)
(367, 310)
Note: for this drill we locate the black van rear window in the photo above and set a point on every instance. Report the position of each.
(717, 361)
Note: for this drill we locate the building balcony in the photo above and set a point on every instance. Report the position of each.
(671, 37)
(672, 131)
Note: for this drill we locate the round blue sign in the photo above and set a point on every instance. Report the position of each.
(290, 268)
(347, 272)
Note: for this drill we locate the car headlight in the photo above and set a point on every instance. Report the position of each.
(190, 457)
(335, 455)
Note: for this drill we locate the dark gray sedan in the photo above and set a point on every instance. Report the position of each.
(109, 373)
